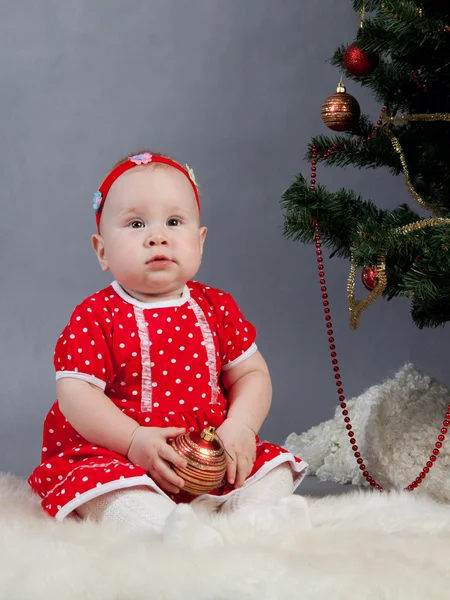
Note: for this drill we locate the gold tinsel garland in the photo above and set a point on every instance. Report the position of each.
(356, 307)
(397, 147)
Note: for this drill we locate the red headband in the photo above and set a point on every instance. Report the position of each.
(133, 161)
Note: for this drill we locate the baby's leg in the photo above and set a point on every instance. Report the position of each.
(268, 508)
(135, 509)
(277, 484)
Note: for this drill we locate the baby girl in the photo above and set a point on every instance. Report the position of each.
(149, 357)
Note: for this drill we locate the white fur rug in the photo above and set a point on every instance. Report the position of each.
(362, 545)
(396, 425)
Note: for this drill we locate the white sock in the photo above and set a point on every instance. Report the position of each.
(185, 528)
(277, 484)
(135, 509)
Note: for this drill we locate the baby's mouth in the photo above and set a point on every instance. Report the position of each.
(160, 257)
(159, 260)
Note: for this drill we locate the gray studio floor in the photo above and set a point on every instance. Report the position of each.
(312, 486)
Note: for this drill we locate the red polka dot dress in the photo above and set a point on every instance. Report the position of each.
(160, 363)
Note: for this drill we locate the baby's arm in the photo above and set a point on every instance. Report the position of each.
(94, 416)
(102, 423)
(249, 391)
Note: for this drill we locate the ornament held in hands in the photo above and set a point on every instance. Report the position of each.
(341, 111)
(206, 461)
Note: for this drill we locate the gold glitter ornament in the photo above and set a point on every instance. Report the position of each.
(340, 111)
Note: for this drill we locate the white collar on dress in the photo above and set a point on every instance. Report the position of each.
(162, 304)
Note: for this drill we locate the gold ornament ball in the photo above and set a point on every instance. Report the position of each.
(206, 460)
(341, 111)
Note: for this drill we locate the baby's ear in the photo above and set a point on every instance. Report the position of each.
(203, 232)
(98, 246)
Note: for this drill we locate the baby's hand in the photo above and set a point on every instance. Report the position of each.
(149, 449)
(239, 441)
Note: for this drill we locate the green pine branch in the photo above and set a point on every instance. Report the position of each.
(412, 77)
(417, 264)
(433, 10)
(352, 150)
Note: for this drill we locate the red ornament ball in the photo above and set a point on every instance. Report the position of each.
(369, 278)
(358, 62)
(341, 111)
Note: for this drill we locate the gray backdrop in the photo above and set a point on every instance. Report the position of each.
(234, 87)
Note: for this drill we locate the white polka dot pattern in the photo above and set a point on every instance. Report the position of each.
(84, 346)
(160, 365)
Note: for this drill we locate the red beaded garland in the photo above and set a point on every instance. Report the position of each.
(351, 434)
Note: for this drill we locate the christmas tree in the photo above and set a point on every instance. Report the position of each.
(402, 53)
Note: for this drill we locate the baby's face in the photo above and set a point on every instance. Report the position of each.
(150, 235)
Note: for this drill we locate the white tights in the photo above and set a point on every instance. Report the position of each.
(142, 509)
(135, 509)
(277, 484)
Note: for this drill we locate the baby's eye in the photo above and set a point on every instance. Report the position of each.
(136, 224)
(173, 222)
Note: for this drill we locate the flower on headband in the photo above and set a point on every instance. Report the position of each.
(190, 171)
(96, 202)
(141, 159)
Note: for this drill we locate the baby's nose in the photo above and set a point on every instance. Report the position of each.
(157, 239)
